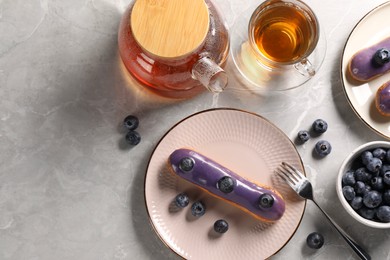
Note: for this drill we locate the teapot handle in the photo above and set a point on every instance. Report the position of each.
(212, 76)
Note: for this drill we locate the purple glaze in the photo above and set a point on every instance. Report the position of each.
(361, 66)
(383, 99)
(206, 174)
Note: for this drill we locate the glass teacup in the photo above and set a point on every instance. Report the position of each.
(282, 35)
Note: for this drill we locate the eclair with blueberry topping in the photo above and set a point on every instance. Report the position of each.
(261, 202)
(371, 62)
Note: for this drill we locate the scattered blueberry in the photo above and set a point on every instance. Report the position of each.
(372, 199)
(366, 157)
(388, 156)
(133, 137)
(366, 213)
(131, 122)
(320, 126)
(361, 174)
(303, 136)
(386, 177)
(381, 56)
(182, 200)
(386, 197)
(377, 183)
(225, 184)
(266, 200)
(379, 153)
(360, 187)
(383, 213)
(349, 193)
(198, 209)
(374, 164)
(357, 203)
(186, 164)
(323, 148)
(221, 226)
(349, 178)
(315, 240)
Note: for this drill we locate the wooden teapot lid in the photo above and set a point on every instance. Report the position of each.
(170, 28)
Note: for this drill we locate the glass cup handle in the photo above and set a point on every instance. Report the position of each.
(305, 68)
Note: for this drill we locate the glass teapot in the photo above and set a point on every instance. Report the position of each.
(175, 47)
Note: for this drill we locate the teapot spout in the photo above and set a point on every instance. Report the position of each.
(212, 76)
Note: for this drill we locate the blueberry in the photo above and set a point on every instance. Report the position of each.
(366, 213)
(303, 136)
(349, 178)
(357, 203)
(133, 137)
(266, 200)
(186, 164)
(386, 197)
(131, 122)
(198, 209)
(381, 57)
(385, 168)
(388, 155)
(361, 174)
(323, 148)
(374, 165)
(379, 153)
(225, 184)
(377, 183)
(383, 213)
(366, 157)
(182, 200)
(372, 199)
(221, 226)
(349, 193)
(360, 187)
(386, 177)
(320, 126)
(367, 188)
(315, 240)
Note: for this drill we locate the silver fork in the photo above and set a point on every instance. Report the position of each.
(302, 186)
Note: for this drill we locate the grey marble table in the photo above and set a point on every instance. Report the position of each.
(71, 189)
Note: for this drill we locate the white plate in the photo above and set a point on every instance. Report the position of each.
(371, 29)
(247, 144)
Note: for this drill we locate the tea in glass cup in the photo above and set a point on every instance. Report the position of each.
(284, 33)
(277, 45)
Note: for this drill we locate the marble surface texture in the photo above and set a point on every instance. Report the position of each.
(69, 186)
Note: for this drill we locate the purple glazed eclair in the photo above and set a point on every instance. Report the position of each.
(259, 201)
(370, 62)
(382, 99)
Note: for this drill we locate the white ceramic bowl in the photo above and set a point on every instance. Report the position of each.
(346, 165)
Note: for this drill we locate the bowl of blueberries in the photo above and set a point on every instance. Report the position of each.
(363, 184)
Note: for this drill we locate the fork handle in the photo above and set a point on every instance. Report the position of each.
(358, 250)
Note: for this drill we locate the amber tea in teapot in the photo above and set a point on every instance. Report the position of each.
(175, 47)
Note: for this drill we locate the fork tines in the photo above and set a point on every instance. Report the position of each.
(288, 173)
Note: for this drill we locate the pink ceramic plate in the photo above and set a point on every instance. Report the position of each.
(249, 145)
